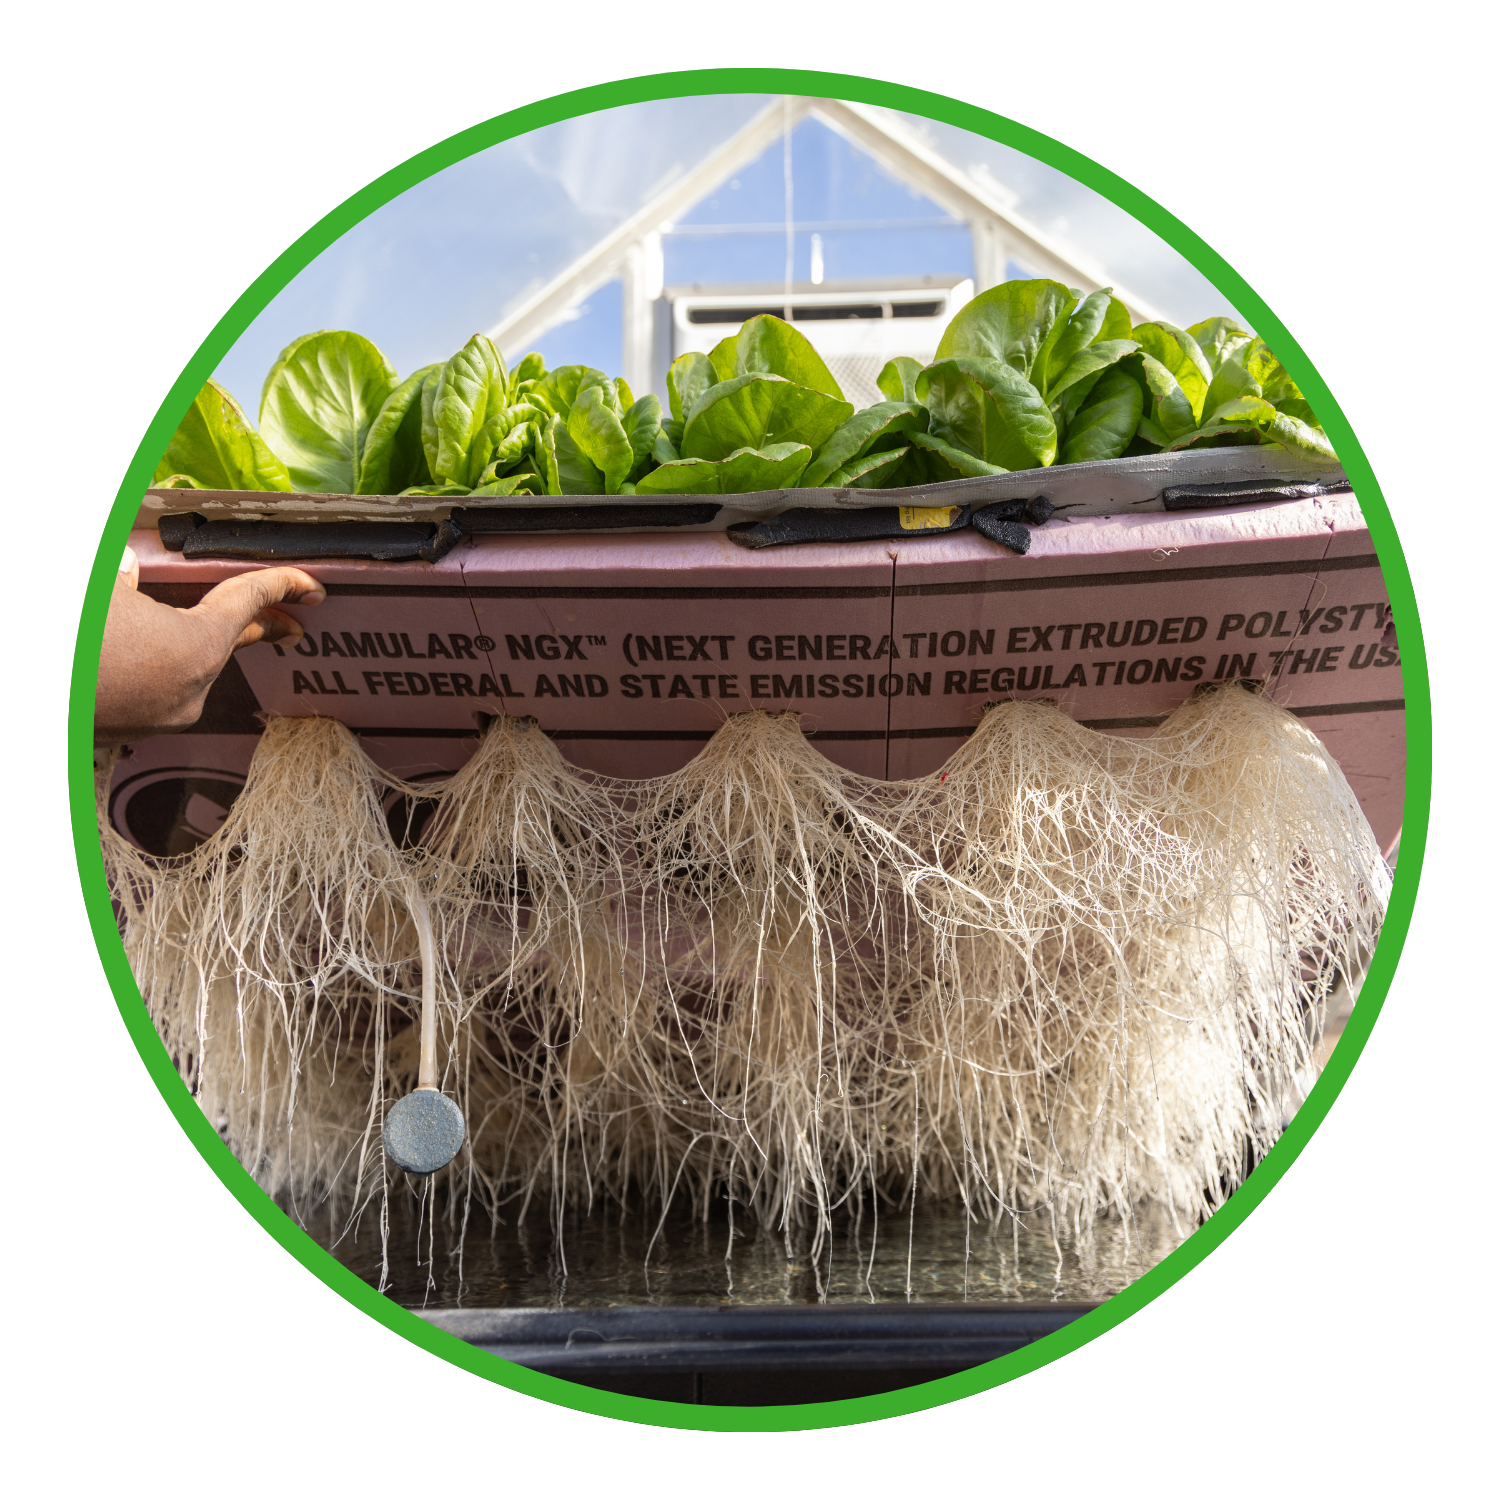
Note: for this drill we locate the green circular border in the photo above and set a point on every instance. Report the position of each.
(86, 668)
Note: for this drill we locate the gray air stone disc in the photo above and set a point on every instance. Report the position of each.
(423, 1131)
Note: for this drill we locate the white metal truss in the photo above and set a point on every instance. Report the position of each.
(632, 251)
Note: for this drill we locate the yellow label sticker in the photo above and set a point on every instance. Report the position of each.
(915, 518)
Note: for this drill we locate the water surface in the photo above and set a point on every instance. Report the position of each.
(600, 1259)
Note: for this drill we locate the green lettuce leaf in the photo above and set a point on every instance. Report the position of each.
(596, 430)
(286, 353)
(1177, 352)
(942, 460)
(1065, 406)
(1116, 321)
(1247, 417)
(767, 345)
(1089, 361)
(690, 375)
(1106, 421)
(503, 437)
(560, 388)
(508, 436)
(1281, 391)
(1221, 339)
(393, 458)
(524, 478)
(758, 412)
(1016, 323)
(1276, 385)
(990, 410)
(472, 388)
(531, 369)
(1244, 409)
(565, 468)
(512, 484)
(1247, 396)
(898, 380)
(1082, 329)
(873, 471)
(514, 447)
(318, 404)
(877, 427)
(215, 448)
(1172, 412)
(1231, 382)
(777, 466)
(722, 358)
(764, 345)
(1273, 426)
(1264, 365)
(429, 421)
(1298, 437)
(642, 423)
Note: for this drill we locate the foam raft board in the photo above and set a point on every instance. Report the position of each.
(631, 649)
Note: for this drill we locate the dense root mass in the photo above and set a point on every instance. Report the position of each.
(1069, 973)
(1133, 947)
(278, 961)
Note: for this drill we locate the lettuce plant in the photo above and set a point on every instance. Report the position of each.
(1016, 370)
(1216, 383)
(592, 437)
(393, 459)
(1038, 335)
(767, 345)
(1027, 375)
(318, 404)
(865, 452)
(215, 448)
(1106, 419)
(748, 416)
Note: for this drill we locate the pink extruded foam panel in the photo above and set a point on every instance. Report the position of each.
(630, 650)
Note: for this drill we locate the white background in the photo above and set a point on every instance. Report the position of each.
(158, 157)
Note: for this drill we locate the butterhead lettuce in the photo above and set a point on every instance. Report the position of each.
(1027, 374)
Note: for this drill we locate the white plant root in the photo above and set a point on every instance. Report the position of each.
(1070, 973)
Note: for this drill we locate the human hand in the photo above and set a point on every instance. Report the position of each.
(158, 663)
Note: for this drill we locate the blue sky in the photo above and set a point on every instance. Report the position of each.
(445, 259)
(834, 189)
